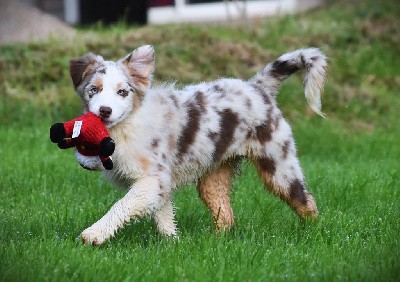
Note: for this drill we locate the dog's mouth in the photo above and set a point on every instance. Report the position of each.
(109, 123)
(106, 122)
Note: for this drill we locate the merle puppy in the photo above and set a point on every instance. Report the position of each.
(167, 137)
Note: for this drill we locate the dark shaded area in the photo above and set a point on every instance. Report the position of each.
(161, 3)
(110, 12)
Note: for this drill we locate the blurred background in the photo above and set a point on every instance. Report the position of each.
(48, 16)
(204, 40)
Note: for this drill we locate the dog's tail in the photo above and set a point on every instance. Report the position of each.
(312, 59)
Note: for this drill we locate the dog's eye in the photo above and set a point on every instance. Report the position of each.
(122, 92)
(93, 91)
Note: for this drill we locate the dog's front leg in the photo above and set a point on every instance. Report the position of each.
(144, 198)
(165, 220)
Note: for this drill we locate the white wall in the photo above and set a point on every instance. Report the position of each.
(220, 11)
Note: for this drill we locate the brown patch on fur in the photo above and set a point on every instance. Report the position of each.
(201, 100)
(266, 169)
(248, 104)
(124, 93)
(282, 69)
(303, 61)
(296, 192)
(250, 135)
(213, 136)
(160, 167)
(218, 88)
(98, 82)
(189, 132)
(144, 163)
(80, 67)
(136, 102)
(283, 192)
(264, 131)
(228, 124)
(276, 121)
(174, 100)
(102, 71)
(285, 149)
(301, 201)
(140, 80)
(140, 66)
(155, 143)
(214, 190)
(263, 93)
(267, 165)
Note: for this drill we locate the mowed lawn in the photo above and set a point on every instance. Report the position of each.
(350, 159)
(47, 200)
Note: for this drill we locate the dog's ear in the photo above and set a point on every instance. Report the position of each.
(140, 64)
(79, 68)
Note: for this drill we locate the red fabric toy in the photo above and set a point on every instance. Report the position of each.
(90, 137)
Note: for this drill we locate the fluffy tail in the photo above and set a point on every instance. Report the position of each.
(312, 59)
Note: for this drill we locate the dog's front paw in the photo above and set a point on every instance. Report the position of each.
(94, 236)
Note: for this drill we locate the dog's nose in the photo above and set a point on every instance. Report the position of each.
(105, 112)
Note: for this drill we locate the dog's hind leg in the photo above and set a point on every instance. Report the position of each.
(164, 219)
(214, 189)
(280, 170)
(278, 178)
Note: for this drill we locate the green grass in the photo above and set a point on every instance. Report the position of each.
(351, 159)
(47, 200)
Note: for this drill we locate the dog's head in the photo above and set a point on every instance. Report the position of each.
(110, 89)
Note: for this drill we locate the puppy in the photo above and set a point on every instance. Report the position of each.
(167, 137)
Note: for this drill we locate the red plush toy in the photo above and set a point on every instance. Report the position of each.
(90, 137)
